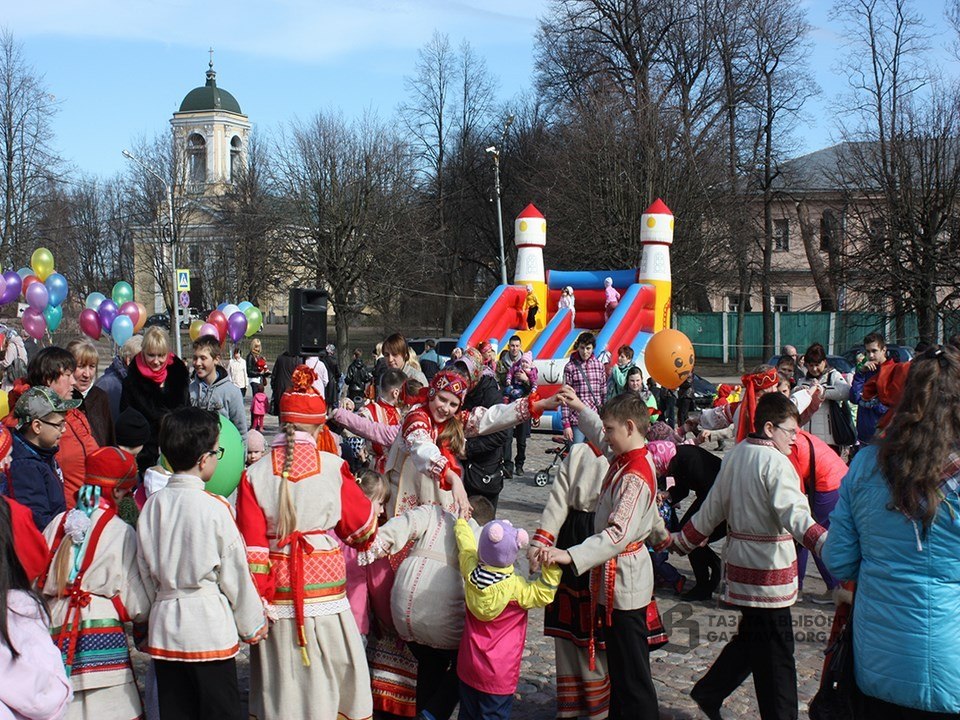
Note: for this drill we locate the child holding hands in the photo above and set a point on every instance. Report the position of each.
(621, 584)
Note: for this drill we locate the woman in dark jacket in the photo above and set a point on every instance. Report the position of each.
(693, 470)
(483, 464)
(157, 382)
(95, 403)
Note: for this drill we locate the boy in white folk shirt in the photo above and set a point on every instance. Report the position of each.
(193, 561)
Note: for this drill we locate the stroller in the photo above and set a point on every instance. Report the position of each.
(559, 455)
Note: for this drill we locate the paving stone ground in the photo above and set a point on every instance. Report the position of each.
(698, 630)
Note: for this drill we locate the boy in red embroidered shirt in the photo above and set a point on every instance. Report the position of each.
(621, 584)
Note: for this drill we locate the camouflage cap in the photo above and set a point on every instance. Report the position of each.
(38, 402)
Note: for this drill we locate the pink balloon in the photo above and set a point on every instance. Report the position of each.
(210, 329)
(90, 324)
(131, 310)
(34, 323)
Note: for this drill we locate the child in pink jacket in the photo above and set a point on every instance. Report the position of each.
(258, 408)
(495, 629)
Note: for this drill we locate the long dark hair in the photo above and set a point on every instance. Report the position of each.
(12, 576)
(924, 431)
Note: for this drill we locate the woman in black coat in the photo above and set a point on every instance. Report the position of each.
(694, 470)
(157, 382)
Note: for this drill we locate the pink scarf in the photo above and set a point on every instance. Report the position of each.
(158, 376)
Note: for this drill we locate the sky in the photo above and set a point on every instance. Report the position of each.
(120, 68)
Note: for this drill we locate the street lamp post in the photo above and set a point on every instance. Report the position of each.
(495, 152)
(175, 317)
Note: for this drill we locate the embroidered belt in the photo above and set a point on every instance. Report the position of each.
(609, 570)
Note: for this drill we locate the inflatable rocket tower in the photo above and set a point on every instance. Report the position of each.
(530, 237)
(656, 236)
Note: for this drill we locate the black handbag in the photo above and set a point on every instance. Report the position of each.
(841, 424)
(838, 697)
(481, 481)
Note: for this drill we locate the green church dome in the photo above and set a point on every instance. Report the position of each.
(210, 97)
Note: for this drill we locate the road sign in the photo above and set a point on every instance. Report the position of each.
(183, 280)
(184, 299)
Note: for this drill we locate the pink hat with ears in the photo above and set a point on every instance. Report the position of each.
(499, 543)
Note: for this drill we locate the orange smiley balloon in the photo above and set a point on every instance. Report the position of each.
(669, 358)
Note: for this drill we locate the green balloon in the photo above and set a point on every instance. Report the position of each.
(122, 293)
(230, 467)
(254, 320)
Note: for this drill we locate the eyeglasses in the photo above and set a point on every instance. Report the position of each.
(59, 426)
(792, 432)
(218, 452)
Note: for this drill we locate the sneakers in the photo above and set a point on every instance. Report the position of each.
(821, 599)
(678, 585)
(519, 469)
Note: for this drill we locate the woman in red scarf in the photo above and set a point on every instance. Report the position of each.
(156, 383)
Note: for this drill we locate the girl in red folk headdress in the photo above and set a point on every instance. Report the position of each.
(93, 586)
(290, 504)
(423, 465)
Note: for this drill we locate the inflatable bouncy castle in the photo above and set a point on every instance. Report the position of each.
(643, 309)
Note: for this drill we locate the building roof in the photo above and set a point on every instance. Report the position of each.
(210, 97)
(827, 170)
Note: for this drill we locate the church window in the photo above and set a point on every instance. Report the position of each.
(235, 146)
(196, 158)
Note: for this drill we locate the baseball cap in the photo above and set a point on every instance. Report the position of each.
(38, 402)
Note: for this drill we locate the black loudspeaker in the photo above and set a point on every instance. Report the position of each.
(307, 324)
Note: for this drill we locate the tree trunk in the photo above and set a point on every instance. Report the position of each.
(821, 277)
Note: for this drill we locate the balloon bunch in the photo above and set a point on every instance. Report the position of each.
(43, 289)
(229, 321)
(119, 315)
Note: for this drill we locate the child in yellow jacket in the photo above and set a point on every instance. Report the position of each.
(495, 630)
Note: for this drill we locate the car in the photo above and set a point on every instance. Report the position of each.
(445, 346)
(899, 353)
(163, 320)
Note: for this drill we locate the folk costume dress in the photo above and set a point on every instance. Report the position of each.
(383, 414)
(416, 466)
(568, 520)
(312, 663)
(104, 591)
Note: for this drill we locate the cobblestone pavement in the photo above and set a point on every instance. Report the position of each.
(698, 630)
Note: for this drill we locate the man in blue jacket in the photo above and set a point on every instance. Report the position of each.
(35, 479)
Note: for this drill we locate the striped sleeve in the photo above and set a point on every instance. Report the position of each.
(253, 527)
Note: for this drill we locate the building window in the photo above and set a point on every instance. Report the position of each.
(829, 231)
(781, 303)
(733, 303)
(781, 235)
(196, 159)
(235, 147)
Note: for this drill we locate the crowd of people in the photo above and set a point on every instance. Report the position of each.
(362, 558)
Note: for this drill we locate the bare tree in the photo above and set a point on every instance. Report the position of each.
(348, 186)
(26, 110)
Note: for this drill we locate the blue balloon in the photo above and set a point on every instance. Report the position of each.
(221, 306)
(57, 289)
(53, 315)
(94, 299)
(122, 329)
(25, 272)
(244, 305)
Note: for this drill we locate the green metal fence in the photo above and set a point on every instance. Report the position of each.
(714, 334)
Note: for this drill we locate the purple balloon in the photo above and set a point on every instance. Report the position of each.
(237, 326)
(12, 289)
(34, 323)
(90, 324)
(210, 329)
(37, 296)
(108, 311)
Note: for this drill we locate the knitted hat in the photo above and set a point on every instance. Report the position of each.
(661, 431)
(450, 382)
(111, 467)
(132, 428)
(662, 452)
(255, 441)
(499, 543)
(473, 362)
(302, 403)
